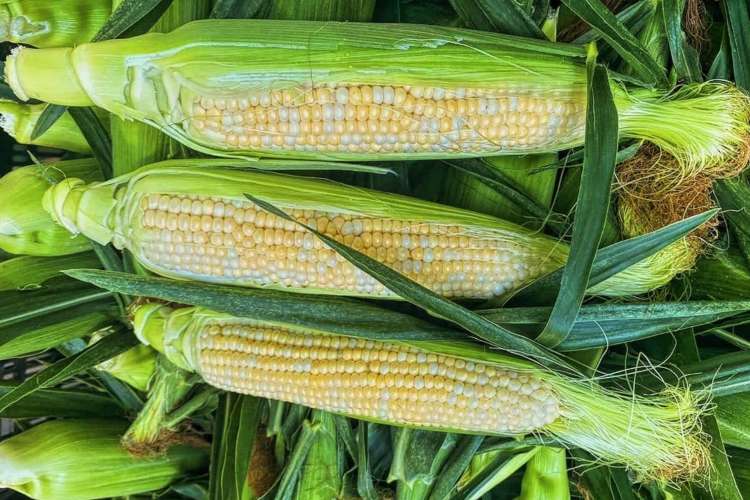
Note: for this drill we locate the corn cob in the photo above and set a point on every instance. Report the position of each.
(345, 91)
(191, 220)
(83, 459)
(422, 384)
(25, 228)
(62, 23)
(19, 120)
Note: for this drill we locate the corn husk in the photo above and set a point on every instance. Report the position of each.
(657, 436)
(135, 367)
(82, 459)
(19, 120)
(25, 228)
(61, 23)
(145, 78)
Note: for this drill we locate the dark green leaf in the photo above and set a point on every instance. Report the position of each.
(459, 461)
(66, 403)
(48, 118)
(232, 448)
(62, 370)
(611, 29)
(51, 330)
(128, 15)
(237, 9)
(502, 17)
(733, 196)
(684, 57)
(734, 419)
(721, 67)
(333, 314)
(418, 457)
(603, 325)
(738, 20)
(365, 488)
(290, 476)
(614, 258)
(387, 11)
(432, 302)
(634, 17)
(96, 135)
(592, 206)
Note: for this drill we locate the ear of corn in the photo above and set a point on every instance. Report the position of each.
(347, 91)
(440, 386)
(19, 120)
(191, 220)
(61, 23)
(25, 228)
(83, 459)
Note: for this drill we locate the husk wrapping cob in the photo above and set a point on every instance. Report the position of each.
(441, 386)
(25, 228)
(347, 91)
(192, 220)
(83, 459)
(18, 121)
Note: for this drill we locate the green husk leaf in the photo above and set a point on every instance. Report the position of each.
(684, 57)
(20, 121)
(502, 17)
(365, 487)
(733, 196)
(738, 17)
(135, 367)
(611, 29)
(50, 330)
(322, 472)
(69, 367)
(592, 206)
(546, 476)
(418, 457)
(724, 275)
(65, 403)
(234, 436)
(27, 272)
(82, 459)
(493, 474)
(290, 477)
(458, 462)
(733, 419)
(96, 135)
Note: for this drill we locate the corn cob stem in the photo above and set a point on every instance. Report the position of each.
(416, 385)
(360, 91)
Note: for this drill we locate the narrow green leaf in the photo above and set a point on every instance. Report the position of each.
(432, 302)
(494, 474)
(634, 17)
(322, 473)
(592, 206)
(611, 29)
(66, 403)
(614, 258)
(290, 476)
(51, 330)
(233, 440)
(721, 67)
(734, 420)
(502, 17)
(48, 118)
(466, 448)
(27, 271)
(418, 457)
(604, 325)
(62, 370)
(57, 295)
(334, 314)
(96, 135)
(130, 13)
(365, 488)
(738, 20)
(684, 57)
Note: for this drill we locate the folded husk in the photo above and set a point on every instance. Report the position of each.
(18, 121)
